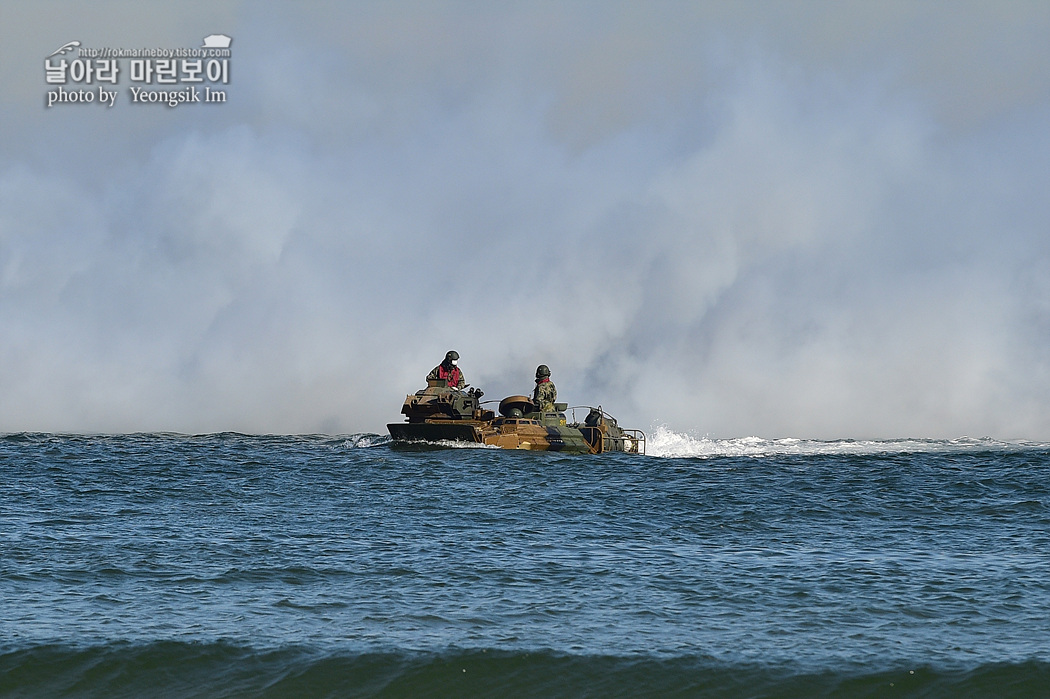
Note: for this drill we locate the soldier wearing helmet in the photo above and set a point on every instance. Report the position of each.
(449, 371)
(545, 394)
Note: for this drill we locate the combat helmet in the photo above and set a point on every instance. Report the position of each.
(451, 357)
(542, 371)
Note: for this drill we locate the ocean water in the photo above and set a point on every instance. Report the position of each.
(227, 565)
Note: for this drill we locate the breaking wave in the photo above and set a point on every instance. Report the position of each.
(366, 441)
(664, 442)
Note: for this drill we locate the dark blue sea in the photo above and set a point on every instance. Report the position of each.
(227, 565)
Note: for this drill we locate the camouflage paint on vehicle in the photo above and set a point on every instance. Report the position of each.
(441, 413)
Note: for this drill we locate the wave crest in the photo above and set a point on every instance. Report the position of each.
(665, 442)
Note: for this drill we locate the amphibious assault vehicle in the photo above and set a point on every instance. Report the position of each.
(441, 413)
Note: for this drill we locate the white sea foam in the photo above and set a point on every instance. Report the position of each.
(664, 442)
(365, 441)
(454, 444)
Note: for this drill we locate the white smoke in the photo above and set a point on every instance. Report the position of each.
(696, 217)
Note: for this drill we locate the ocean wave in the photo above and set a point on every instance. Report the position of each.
(423, 445)
(664, 442)
(365, 441)
(178, 669)
(370, 440)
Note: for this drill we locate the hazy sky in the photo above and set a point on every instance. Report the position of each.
(783, 219)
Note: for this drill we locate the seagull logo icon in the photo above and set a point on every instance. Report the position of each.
(66, 49)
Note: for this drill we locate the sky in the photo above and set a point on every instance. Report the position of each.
(812, 219)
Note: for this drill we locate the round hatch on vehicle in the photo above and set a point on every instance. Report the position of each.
(521, 403)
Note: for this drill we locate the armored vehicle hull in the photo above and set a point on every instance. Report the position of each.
(439, 413)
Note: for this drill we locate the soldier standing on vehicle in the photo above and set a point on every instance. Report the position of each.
(449, 371)
(545, 394)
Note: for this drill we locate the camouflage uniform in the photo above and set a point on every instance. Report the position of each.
(545, 395)
(437, 373)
